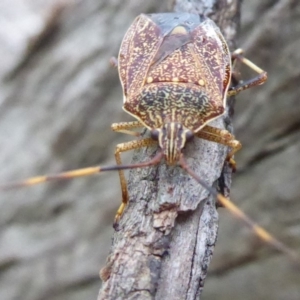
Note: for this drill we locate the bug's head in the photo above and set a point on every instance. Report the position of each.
(172, 138)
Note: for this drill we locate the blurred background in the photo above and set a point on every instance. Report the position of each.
(58, 97)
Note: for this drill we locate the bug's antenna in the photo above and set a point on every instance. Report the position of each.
(258, 230)
(80, 173)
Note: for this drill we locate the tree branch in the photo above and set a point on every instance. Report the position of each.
(169, 229)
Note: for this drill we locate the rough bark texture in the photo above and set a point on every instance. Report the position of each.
(267, 185)
(55, 115)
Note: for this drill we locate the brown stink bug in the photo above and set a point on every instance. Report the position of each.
(175, 70)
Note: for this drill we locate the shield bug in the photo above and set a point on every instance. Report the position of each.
(175, 71)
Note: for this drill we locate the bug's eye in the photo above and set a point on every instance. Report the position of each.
(189, 136)
(154, 134)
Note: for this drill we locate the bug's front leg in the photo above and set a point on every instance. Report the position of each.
(126, 127)
(223, 137)
(257, 80)
(119, 149)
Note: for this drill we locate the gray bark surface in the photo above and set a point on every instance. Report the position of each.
(267, 185)
(56, 110)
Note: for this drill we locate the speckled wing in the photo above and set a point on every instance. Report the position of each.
(174, 68)
(137, 51)
(213, 60)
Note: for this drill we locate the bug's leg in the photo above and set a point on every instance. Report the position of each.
(258, 230)
(223, 137)
(119, 149)
(97, 169)
(113, 61)
(74, 173)
(125, 127)
(257, 80)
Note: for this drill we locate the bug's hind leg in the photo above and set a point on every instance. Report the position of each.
(223, 137)
(257, 80)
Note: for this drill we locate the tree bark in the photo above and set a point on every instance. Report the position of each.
(266, 185)
(167, 234)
